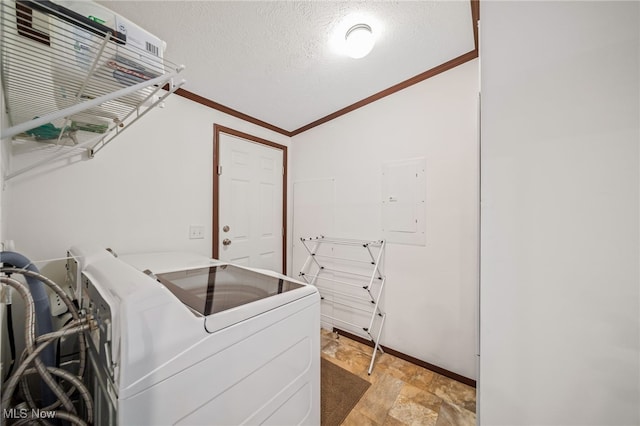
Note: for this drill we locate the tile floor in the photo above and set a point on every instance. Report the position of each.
(401, 393)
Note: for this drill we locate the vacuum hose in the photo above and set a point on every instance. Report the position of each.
(44, 322)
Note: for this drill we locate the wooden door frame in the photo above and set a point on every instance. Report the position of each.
(217, 129)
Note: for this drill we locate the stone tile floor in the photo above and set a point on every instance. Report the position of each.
(401, 393)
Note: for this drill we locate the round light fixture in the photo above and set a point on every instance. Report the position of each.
(359, 41)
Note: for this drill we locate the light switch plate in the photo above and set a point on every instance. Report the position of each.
(196, 232)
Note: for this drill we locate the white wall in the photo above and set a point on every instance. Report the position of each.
(431, 291)
(5, 356)
(560, 191)
(140, 193)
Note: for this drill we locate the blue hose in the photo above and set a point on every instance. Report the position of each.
(44, 322)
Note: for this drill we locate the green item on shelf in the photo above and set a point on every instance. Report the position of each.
(89, 127)
(46, 131)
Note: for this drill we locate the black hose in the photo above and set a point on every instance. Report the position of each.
(12, 342)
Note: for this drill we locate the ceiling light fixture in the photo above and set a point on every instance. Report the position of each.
(359, 41)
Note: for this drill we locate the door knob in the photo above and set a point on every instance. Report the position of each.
(225, 228)
(226, 242)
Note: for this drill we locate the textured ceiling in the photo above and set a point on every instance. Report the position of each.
(278, 61)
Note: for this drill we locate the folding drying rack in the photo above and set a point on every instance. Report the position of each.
(358, 294)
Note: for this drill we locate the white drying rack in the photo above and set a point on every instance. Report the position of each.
(360, 294)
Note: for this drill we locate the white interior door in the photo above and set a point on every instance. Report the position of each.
(250, 203)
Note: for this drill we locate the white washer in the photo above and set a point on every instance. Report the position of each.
(199, 342)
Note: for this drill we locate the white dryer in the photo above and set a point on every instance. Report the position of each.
(195, 341)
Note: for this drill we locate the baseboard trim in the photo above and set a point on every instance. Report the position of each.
(409, 358)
